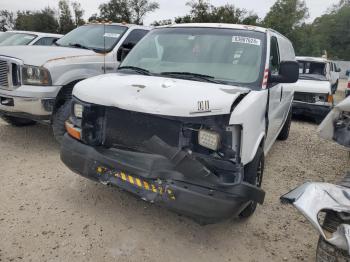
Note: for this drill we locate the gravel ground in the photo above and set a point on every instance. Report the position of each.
(47, 213)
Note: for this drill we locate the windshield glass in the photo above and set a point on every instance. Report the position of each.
(95, 37)
(11, 38)
(312, 71)
(225, 55)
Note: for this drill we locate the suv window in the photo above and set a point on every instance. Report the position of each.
(45, 41)
(274, 56)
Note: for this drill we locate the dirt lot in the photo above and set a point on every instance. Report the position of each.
(47, 213)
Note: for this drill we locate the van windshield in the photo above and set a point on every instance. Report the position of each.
(312, 71)
(229, 56)
(97, 37)
(12, 38)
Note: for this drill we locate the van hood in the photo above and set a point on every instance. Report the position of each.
(312, 86)
(158, 95)
(40, 55)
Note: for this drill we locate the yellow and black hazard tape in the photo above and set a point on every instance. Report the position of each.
(137, 182)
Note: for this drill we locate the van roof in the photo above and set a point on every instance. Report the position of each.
(312, 59)
(220, 25)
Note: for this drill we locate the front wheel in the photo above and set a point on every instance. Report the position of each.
(253, 174)
(58, 120)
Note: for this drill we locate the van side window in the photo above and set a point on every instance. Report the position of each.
(274, 57)
(134, 37)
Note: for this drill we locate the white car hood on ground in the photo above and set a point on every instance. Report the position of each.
(158, 95)
(39, 55)
(312, 86)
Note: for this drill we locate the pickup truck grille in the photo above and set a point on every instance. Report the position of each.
(4, 71)
(304, 97)
(132, 129)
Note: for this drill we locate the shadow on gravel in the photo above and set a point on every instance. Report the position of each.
(302, 118)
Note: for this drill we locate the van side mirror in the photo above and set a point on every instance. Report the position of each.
(288, 73)
(348, 72)
(338, 70)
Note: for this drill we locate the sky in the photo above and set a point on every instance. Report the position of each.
(169, 8)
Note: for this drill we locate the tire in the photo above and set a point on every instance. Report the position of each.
(59, 118)
(284, 134)
(17, 121)
(253, 174)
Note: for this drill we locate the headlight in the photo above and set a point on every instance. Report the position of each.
(33, 75)
(209, 139)
(78, 110)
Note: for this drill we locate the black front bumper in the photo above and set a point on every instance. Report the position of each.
(311, 110)
(156, 179)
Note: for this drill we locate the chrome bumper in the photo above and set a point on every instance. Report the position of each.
(34, 102)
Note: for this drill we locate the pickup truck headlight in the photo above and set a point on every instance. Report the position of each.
(78, 110)
(209, 139)
(34, 75)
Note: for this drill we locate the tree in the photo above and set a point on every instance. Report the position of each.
(39, 21)
(66, 23)
(162, 22)
(202, 11)
(116, 11)
(129, 11)
(285, 15)
(139, 9)
(78, 14)
(7, 20)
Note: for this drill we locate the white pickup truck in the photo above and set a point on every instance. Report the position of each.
(188, 118)
(36, 82)
(318, 81)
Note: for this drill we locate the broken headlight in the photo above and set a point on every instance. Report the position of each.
(78, 110)
(209, 139)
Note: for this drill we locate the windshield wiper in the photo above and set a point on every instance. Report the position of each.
(190, 75)
(136, 69)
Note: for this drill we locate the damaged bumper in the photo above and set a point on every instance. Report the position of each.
(311, 110)
(175, 179)
(312, 198)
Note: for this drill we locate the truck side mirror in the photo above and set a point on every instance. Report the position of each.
(348, 72)
(288, 73)
(338, 70)
(123, 51)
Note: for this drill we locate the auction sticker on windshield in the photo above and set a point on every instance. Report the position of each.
(246, 40)
(111, 35)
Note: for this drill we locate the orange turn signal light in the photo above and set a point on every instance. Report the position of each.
(330, 99)
(73, 131)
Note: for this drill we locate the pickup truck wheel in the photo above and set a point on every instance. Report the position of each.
(59, 118)
(17, 121)
(286, 128)
(253, 174)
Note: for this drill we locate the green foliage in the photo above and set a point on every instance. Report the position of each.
(39, 21)
(78, 14)
(202, 11)
(7, 20)
(162, 22)
(286, 15)
(129, 11)
(65, 19)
